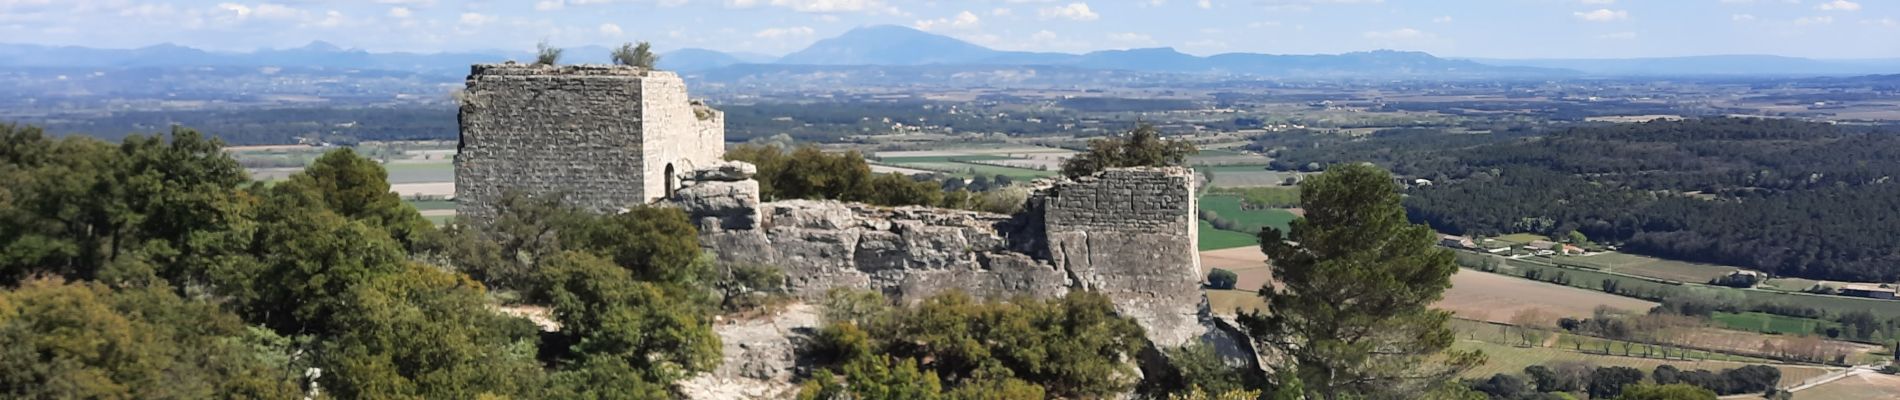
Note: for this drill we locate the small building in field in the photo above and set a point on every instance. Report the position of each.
(1883, 292)
(1542, 245)
(1457, 242)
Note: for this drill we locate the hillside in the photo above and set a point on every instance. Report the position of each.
(1791, 198)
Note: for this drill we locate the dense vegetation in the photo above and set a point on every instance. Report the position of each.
(150, 269)
(1791, 198)
(1665, 383)
(1143, 147)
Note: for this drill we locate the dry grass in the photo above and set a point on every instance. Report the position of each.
(1248, 262)
(1493, 297)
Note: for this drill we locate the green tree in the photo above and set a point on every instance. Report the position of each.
(1143, 147)
(86, 340)
(309, 260)
(506, 252)
(1357, 281)
(73, 206)
(604, 312)
(1222, 279)
(633, 55)
(1666, 392)
(655, 244)
(427, 334)
(358, 188)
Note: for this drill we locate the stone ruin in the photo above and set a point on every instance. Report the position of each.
(606, 136)
(1127, 233)
(611, 137)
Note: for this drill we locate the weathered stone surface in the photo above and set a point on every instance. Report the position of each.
(725, 171)
(760, 357)
(1127, 233)
(606, 137)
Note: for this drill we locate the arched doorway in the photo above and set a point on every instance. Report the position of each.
(672, 180)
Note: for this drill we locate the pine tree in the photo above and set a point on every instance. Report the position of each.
(1357, 282)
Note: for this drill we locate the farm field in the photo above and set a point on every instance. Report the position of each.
(1868, 386)
(1229, 208)
(1493, 297)
(1521, 238)
(1647, 287)
(1770, 323)
(1649, 266)
(1226, 157)
(1216, 239)
(968, 164)
(1246, 175)
(1247, 262)
(1225, 302)
(1512, 360)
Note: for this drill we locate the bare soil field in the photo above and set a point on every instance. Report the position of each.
(1247, 262)
(1870, 386)
(1493, 297)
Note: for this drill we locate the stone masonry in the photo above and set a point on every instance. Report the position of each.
(607, 137)
(1127, 233)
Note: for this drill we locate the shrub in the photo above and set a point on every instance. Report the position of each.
(1222, 279)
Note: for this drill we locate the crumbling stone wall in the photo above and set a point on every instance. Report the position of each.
(1128, 233)
(604, 136)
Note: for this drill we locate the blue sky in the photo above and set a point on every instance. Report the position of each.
(1463, 28)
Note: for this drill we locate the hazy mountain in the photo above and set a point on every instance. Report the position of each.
(892, 46)
(1712, 65)
(889, 45)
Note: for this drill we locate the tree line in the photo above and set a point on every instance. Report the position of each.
(1787, 197)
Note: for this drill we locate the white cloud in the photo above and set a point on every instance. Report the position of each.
(819, 6)
(1131, 39)
(1839, 5)
(1821, 20)
(1397, 34)
(1602, 15)
(784, 33)
(1073, 11)
(1742, 17)
(963, 20)
(1442, 20)
(1043, 35)
(477, 19)
(1205, 4)
(1618, 36)
(1001, 12)
(549, 5)
(400, 12)
(610, 30)
(1885, 22)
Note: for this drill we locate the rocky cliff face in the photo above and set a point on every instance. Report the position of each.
(1126, 233)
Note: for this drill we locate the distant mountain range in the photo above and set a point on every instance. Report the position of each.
(898, 47)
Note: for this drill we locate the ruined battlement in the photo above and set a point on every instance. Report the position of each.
(607, 137)
(1127, 233)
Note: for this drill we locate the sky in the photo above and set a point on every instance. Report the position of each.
(1836, 29)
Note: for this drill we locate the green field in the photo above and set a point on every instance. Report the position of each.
(420, 172)
(940, 159)
(1229, 207)
(1770, 323)
(1215, 239)
(1500, 358)
(1245, 175)
(1648, 266)
(1651, 288)
(958, 165)
(440, 220)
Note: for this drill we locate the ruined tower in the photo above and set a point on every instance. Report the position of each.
(607, 137)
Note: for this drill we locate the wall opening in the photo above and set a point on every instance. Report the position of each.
(672, 180)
